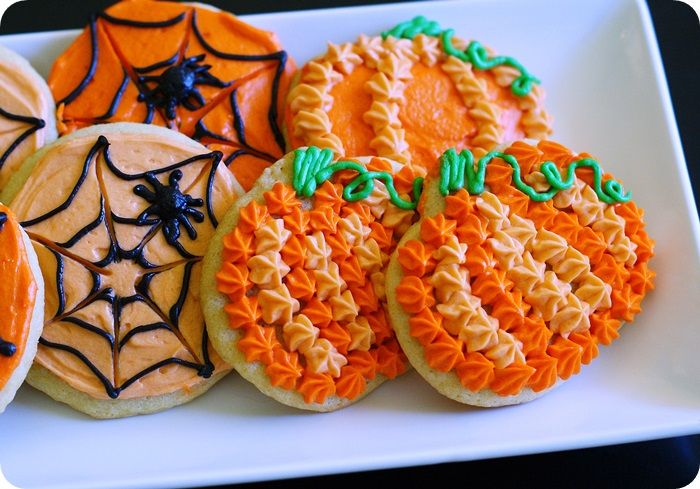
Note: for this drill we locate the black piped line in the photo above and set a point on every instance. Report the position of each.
(232, 157)
(237, 118)
(202, 131)
(86, 229)
(139, 23)
(159, 64)
(35, 125)
(60, 291)
(279, 56)
(168, 361)
(176, 309)
(90, 327)
(101, 143)
(111, 390)
(210, 188)
(135, 176)
(7, 348)
(142, 329)
(94, 53)
(116, 99)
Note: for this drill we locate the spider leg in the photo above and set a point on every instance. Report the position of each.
(193, 202)
(189, 105)
(148, 78)
(175, 177)
(201, 68)
(170, 110)
(153, 180)
(211, 80)
(194, 59)
(171, 230)
(145, 192)
(191, 232)
(143, 217)
(196, 215)
(198, 97)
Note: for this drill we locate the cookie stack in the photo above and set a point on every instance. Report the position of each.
(393, 203)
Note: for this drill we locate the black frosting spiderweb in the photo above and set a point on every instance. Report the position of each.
(174, 82)
(101, 292)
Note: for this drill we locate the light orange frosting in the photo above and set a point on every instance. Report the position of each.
(122, 283)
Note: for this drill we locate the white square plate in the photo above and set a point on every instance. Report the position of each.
(599, 63)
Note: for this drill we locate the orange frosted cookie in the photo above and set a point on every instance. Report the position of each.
(26, 112)
(293, 283)
(412, 93)
(523, 263)
(21, 305)
(190, 67)
(120, 216)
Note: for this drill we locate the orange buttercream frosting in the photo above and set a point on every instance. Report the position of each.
(24, 108)
(122, 315)
(189, 67)
(520, 293)
(407, 100)
(328, 311)
(18, 290)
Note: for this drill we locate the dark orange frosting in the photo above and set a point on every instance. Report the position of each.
(126, 64)
(18, 291)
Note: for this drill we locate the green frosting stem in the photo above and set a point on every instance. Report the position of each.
(475, 53)
(456, 168)
(313, 166)
(411, 28)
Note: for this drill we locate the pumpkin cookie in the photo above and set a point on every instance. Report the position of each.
(21, 306)
(26, 112)
(519, 268)
(293, 282)
(120, 216)
(412, 93)
(190, 67)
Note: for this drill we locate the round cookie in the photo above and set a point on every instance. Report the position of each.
(26, 112)
(519, 268)
(293, 282)
(21, 307)
(119, 216)
(188, 66)
(412, 93)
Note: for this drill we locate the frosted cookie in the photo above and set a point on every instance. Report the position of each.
(522, 265)
(190, 67)
(26, 112)
(21, 306)
(120, 216)
(412, 93)
(293, 282)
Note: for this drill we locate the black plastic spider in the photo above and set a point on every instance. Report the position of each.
(170, 205)
(178, 85)
(3, 220)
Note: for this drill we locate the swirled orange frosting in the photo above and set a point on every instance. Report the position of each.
(522, 293)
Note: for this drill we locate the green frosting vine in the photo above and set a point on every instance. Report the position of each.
(313, 166)
(475, 53)
(457, 171)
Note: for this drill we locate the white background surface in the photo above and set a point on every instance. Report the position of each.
(599, 63)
